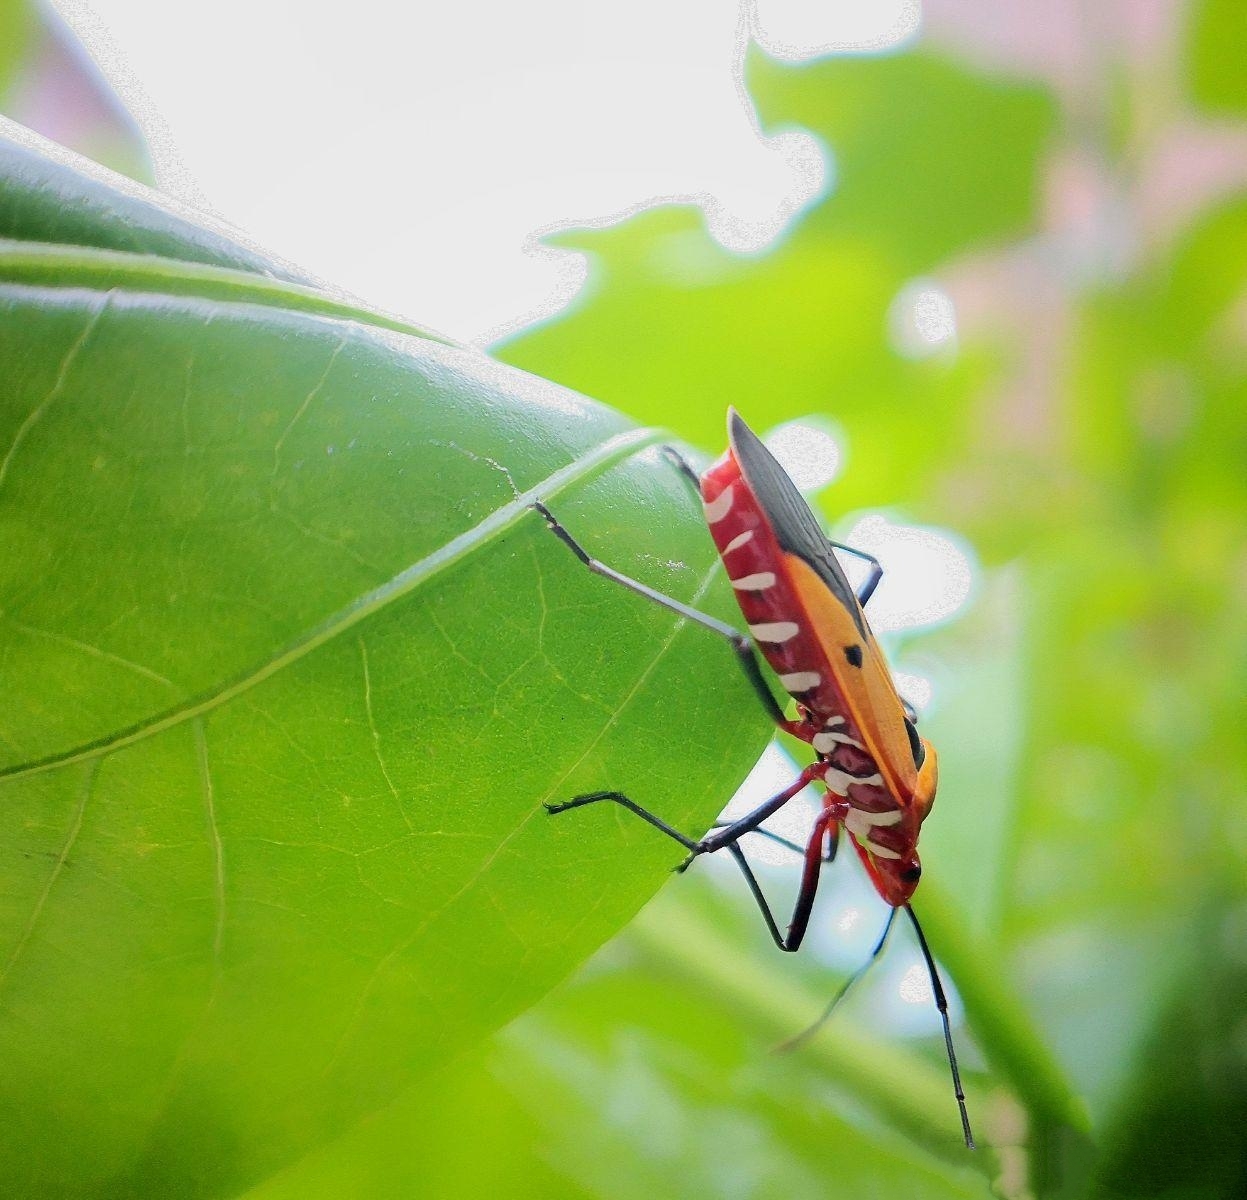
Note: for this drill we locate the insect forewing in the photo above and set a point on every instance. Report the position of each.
(835, 618)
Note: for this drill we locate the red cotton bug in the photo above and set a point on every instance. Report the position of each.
(809, 624)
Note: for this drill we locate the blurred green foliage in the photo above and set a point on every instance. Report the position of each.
(1085, 886)
(1218, 35)
(16, 29)
(1088, 845)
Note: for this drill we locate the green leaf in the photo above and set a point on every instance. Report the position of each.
(1192, 1076)
(928, 158)
(49, 194)
(1218, 32)
(17, 23)
(290, 667)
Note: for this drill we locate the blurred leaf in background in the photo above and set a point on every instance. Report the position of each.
(1215, 62)
(1086, 429)
(49, 83)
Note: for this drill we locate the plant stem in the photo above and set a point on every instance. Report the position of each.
(905, 1089)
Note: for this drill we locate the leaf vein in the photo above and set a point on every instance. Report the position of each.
(36, 414)
(608, 453)
(376, 739)
(218, 849)
(71, 838)
(479, 874)
(307, 403)
(87, 648)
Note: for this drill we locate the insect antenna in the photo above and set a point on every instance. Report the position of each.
(810, 1030)
(941, 1002)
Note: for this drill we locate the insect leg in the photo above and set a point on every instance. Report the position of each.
(631, 806)
(727, 836)
(743, 648)
(730, 832)
(829, 855)
(867, 589)
(681, 464)
(793, 1042)
(941, 1002)
(791, 941)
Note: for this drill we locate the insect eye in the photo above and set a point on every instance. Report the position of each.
(916, 748)
(911, 874)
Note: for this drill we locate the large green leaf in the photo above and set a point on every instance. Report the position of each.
(289, 667)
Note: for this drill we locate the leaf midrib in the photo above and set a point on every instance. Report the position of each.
(614, 450)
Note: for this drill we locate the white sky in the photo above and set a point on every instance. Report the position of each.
(408, 153)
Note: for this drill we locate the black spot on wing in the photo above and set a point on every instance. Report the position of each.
(796, 528)
(853, 655)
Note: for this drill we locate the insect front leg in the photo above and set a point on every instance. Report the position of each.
(742, 647)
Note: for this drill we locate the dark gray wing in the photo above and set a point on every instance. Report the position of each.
(796, 528)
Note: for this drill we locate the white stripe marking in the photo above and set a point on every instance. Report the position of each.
(831, 737)
(838, 781)
(779, 632)
(881, 851)
(860, 823)
(719, 507)
(800, 681)
(754, 583)
(738, 541)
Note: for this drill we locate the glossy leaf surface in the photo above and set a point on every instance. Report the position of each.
(289, 668)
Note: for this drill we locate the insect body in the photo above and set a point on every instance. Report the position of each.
(808, 622)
